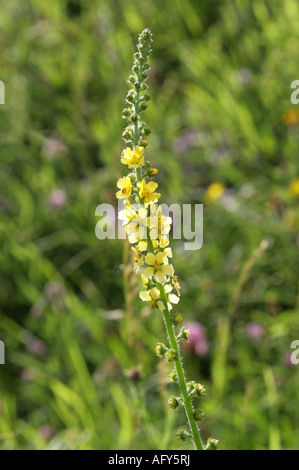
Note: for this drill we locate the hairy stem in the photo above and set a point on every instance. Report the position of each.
(180, 373)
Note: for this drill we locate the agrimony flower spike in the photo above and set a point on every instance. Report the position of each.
(148, 229)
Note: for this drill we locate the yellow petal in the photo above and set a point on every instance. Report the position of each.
(160, 305)
(160, 276)
(155, 293)
(148, 272)
(151, 186)
(150, 259)
(160, 257)
(167, 269)
(144, 295)
(174, 299)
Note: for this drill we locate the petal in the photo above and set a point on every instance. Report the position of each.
(151, 186)
(139, 150)
(160, 305)
(155, 293)
(142, 213)
(160, 276)
(167, 269)
(148, 272)
(128, 152)
(174, 299)
(160, 257)
(144, 295)
(142, 246)
(168, 288)
(168, 252)
(150, 259)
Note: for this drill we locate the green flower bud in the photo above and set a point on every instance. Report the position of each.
(171, 355)
(173, 376)
(177, 319)
(184, 334)
(126, 112)
(143, 106)
(212, 444)
(183, 435)
(198, 415)
(196, 389)
(174, 402)
(161, 350)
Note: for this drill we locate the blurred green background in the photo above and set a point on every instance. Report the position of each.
(80, 370)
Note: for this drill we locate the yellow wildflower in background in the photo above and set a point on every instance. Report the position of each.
(132, 158)
(291, 117)
(294, 187)
(214, 192)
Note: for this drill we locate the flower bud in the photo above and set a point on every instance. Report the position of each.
(177, 319)
(174, 402)
(143, 106)
(196, 389)
(184, 334)
(161, 350)
(130, 98)
(212, 444)
(173, 376)
(198, 415)
(131, 79)
(182, 435)
(171, 355)
(127, 112)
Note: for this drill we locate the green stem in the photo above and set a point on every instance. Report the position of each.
(180, 373)
(138, 171)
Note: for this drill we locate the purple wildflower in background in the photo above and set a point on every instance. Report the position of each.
(57, 199)
(255, 331)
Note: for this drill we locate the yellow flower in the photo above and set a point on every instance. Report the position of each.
(171, 298)
(159, 267)
(127, 215)
(153, 171)
(132, 158)
(125, 186)
(294, 187)
(147, 191)
(214, 192)
(152, 296)
(137, 227)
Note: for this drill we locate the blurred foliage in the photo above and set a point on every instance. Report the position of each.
(80, 369)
